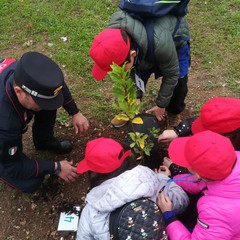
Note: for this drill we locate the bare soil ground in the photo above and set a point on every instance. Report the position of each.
(35, 216)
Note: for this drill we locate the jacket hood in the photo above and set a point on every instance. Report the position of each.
(132, 184)
(228, 187)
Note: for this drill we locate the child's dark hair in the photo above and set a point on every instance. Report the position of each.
(97, 178)
(234, 138)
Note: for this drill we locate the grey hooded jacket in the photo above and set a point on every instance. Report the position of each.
(133, 184)
(165, 48)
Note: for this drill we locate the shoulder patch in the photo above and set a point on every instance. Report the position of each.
(12, 151)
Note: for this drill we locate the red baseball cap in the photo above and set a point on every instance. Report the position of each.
(108, 47)
(220, 115)
(209, 154)
(102, 155)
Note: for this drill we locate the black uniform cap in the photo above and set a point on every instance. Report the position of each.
(42, 78)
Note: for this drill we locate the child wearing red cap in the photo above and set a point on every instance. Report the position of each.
(214, 165)
(219, 114)
(115, 180)
(126, 40)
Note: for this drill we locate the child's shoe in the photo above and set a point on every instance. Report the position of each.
(117, 123)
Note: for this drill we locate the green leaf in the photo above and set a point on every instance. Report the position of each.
(125, 91)
(141, 143)
(132, 145)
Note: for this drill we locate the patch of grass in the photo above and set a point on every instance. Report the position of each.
(216, 37)
(103, 111)
(233, 84)
(63, 118)
(214, 27)
(196, 108)
(212, 85)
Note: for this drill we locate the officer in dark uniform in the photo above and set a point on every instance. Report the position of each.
(33, 87)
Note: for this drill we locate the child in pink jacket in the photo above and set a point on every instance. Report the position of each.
(215, 170)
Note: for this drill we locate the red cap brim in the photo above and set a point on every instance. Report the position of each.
(82, 167)
(197, 126)
(98, 73)
(176, 151)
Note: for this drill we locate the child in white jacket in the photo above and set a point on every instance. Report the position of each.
(115, 179)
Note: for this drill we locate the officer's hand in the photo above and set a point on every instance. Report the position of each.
(167, 136)
(158, 112)
(68, 172)
(80, 123)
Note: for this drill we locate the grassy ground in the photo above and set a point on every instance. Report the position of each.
(64, 30)
(43, 25)
(216, 38)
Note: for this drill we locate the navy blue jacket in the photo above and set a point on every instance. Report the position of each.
(13, 123)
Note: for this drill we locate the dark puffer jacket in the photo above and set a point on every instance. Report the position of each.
(165, 47)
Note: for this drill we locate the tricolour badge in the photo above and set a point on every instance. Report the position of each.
(12, 151)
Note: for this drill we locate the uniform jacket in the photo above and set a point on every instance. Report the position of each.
(133, 184)
(164, 47)
(13, 123)
(218, 209)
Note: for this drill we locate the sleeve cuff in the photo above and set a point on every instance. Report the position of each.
(169, 217)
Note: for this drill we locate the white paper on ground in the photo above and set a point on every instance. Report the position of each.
(68, 222)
